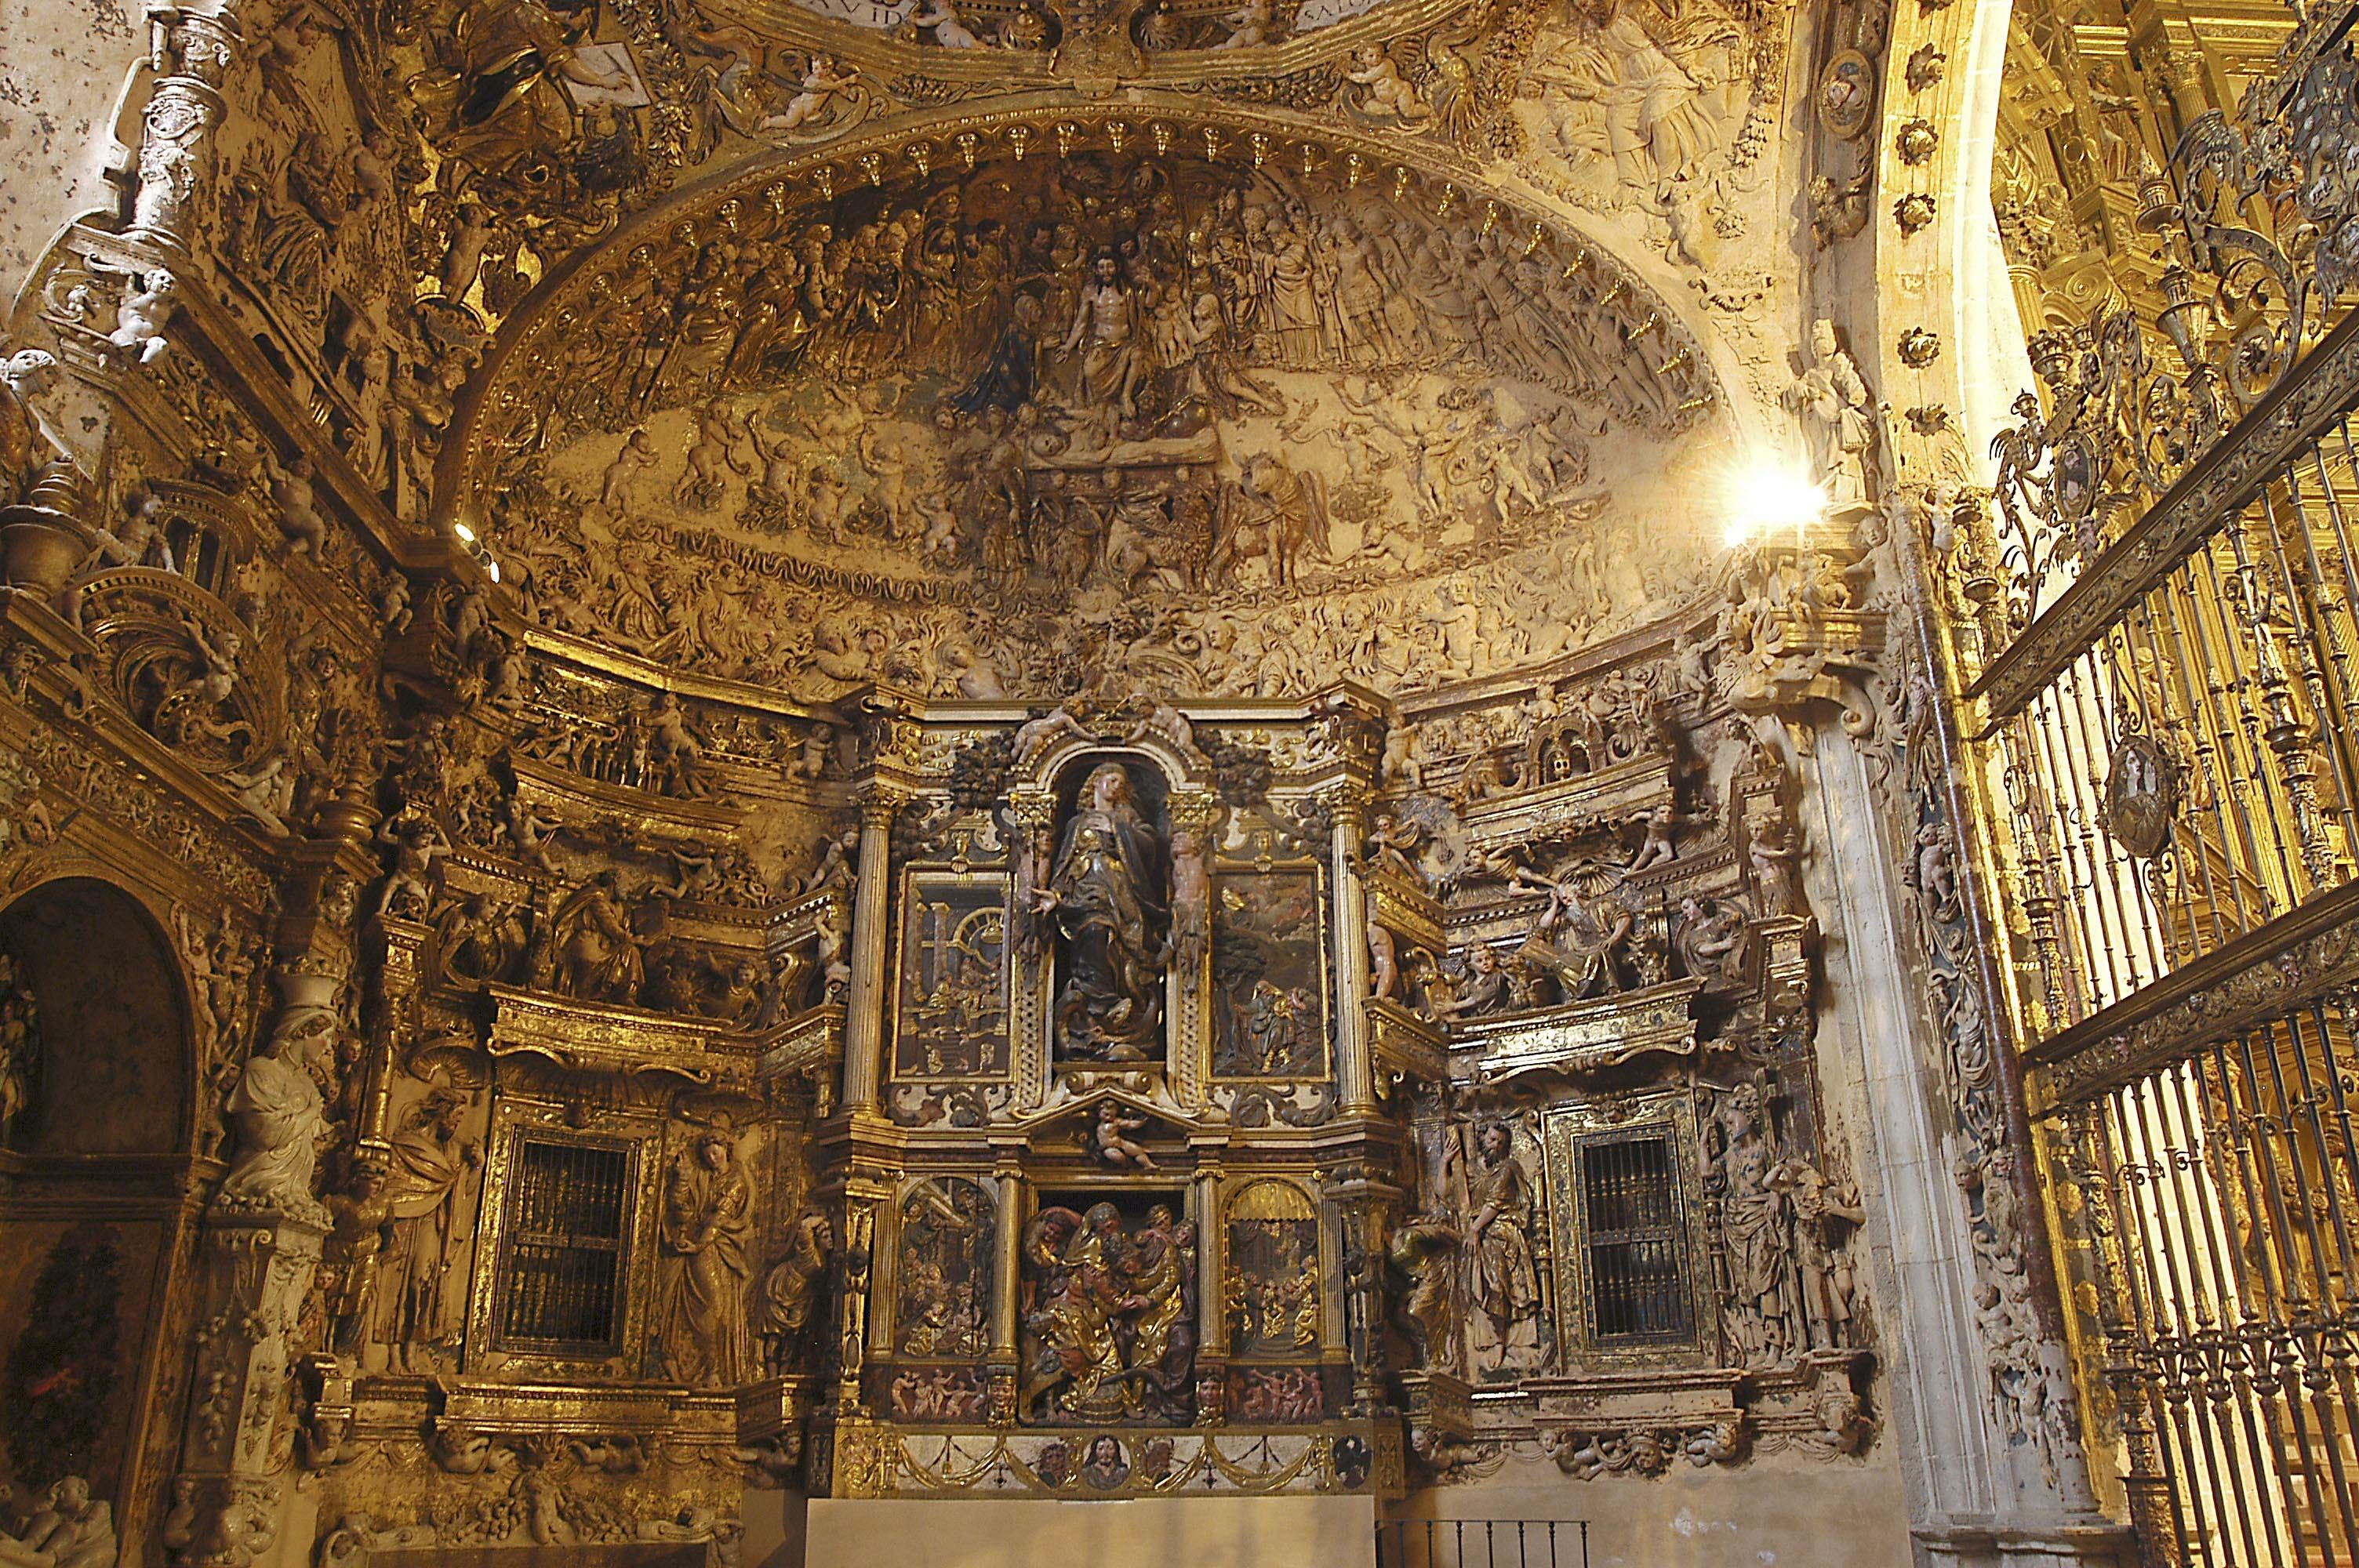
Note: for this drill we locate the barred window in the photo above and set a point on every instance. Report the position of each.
(568, 1214)
(1635, 1239)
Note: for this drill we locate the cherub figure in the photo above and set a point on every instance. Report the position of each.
(947, 29)
(832, 953)
(617, 485)
(676, 750)
(139, 321)
(1389, 95)
(416, 843)
(1403, 762)
(821, 84)
(1036, 735)
(838, 865)
(1248, 26)
(1393, 846)
(1655, 848)
(1111, 1142)
(298, 511)
(530, 832)
(193, 710)
(1383, 961)
(392, 607)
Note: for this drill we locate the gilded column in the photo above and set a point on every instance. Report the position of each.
(863, 1024)
(1193, 812)
(1035, 812)
(189, 52)
(1212, 1318)
(1000, 1369)
(1348, 939)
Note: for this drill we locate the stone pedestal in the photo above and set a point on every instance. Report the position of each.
(256, 1267)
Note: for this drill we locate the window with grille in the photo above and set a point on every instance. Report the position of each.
(1635, 1239)
(568, 1215)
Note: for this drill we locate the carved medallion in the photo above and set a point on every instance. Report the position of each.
(2141, 796)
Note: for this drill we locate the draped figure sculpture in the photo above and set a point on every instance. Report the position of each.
(1106, 895)
(708, 1227)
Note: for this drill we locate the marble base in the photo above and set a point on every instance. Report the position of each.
(1968, 1543)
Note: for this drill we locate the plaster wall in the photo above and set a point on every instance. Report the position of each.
(62, 66)
(1145, 1532)
(1771, 1511)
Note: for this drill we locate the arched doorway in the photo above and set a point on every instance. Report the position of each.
(94, 1076)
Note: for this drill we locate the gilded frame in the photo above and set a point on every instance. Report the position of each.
(514, 1120)
(916, 881)
(1565, 1131)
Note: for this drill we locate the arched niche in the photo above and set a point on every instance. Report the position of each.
(93, 1174)
(108, 1048)
(1108, 983)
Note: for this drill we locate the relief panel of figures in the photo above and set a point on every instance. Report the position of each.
(1049, 402)
(1108, 1311)
(1269, 975)
(1470, 1259)
(943, 1292)
(1271, 1294)
(954, 991)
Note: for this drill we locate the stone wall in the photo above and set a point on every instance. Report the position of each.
(62, 66)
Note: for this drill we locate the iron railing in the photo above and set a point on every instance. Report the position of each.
(1483, 1543)
(2162, 623)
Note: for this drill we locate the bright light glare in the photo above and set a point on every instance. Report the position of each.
(466, 535)
(1770, 493)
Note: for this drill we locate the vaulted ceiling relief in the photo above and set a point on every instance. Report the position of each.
(1214, 426)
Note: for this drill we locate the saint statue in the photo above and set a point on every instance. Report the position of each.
(1830, 402)
(707, 1222)
(426, 1219)
(1502, 1275)
(1106, 896)
(279, 1114)
(1757, 1306)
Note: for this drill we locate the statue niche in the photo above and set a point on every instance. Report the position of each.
(1108, 896)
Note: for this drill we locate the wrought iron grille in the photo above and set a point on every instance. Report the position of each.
(1631, 1227)
(2162, 611)
(2227, 1180)
(2229, 672)
(567, 1212)
(1483, 1543)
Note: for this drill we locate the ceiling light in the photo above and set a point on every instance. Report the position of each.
(1770, 493)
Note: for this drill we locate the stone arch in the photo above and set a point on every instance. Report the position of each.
(102, 977)
(92, 1210)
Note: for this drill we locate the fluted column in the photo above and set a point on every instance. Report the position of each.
(1000, 1367)
(1348, 939)
(863, 1024)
